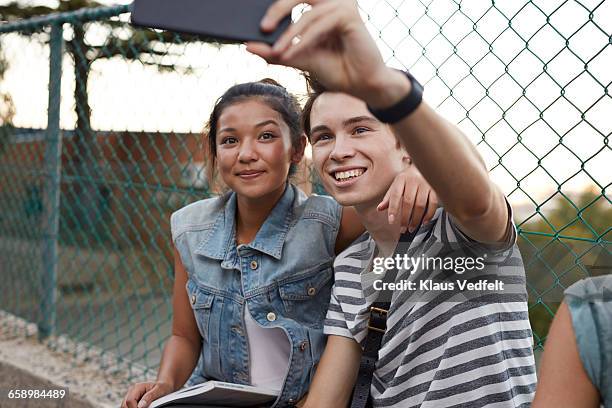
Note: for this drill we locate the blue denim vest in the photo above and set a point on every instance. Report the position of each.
(284, 277)
(590, 304)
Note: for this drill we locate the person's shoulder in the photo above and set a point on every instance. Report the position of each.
(449, 231)
(356, 257)
(317, 206)
(202, 210)
(597, 288)
(589, 302)
(318, 203)
(198, 213)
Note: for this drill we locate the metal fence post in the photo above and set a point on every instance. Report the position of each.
(52, 174)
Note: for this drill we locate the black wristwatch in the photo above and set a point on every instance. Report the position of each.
(403, 108)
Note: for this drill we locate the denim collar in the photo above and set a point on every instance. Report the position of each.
(269, 239)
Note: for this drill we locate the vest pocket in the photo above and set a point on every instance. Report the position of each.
(201, 303)
(305, 296)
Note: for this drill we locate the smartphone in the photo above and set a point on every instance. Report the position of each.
(227, 20)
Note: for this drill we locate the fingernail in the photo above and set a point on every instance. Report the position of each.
(403, 230)
(410, 229)
(142, 403)
(391, 218)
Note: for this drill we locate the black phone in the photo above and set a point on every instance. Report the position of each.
(228, 20)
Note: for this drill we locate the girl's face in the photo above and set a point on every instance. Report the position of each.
(254, 150)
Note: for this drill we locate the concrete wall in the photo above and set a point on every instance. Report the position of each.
(15, 378)
(93, 379)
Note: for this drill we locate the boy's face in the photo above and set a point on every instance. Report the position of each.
(357, 156)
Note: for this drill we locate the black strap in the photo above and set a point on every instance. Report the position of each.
(377, 326)
(402, 108)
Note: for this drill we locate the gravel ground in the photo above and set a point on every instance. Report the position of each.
(93, 379)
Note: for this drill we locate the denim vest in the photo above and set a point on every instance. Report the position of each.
(284, 277)
(590, 304)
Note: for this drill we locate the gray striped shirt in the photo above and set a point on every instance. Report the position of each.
(441, 349)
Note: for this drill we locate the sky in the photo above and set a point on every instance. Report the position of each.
(488, 71)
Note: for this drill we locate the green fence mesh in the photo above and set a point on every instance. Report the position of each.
(100, 142)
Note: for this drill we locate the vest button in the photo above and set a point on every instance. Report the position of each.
(193, 299)
(254, 265)
(312, 291)
(271, 316)
(303, 345)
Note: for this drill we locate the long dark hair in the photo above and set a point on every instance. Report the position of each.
(268, 91)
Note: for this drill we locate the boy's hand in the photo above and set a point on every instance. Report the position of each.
(331, 42)
(409, 199)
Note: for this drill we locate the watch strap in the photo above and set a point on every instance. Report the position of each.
(404, 107)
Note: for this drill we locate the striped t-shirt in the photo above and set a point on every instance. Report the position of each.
(441, 349)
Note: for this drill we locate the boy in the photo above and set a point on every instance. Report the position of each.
(442, 347)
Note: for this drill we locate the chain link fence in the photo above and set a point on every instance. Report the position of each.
(100, 141)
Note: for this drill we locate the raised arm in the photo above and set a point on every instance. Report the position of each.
(448, 161)
(332, 43)
(180, 353)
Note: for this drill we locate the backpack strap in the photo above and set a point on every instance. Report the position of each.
(377, 327)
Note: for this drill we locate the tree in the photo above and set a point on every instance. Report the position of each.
(123, 41)
(555, 263)
(7, 109)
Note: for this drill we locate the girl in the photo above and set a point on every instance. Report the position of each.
(256, 262)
